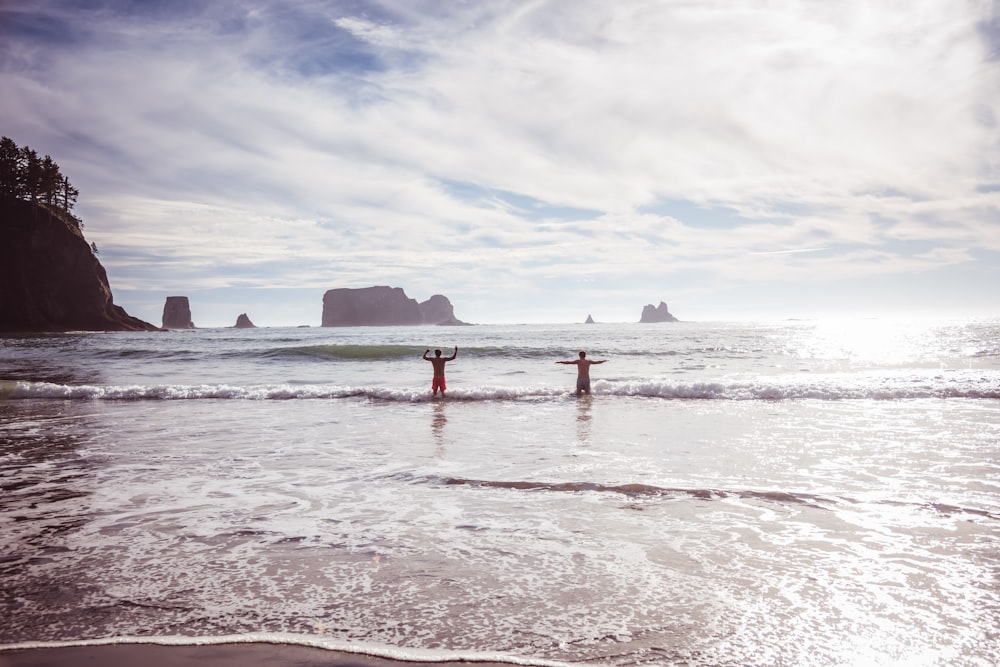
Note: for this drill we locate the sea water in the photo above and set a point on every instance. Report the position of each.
(792, 493)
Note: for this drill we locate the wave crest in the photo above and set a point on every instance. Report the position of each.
(764, 390)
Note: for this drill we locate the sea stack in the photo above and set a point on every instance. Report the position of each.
(438, 310)
(590, 320)
(50, 277)
(383, 306)
(177, 313)
(243, 322)
(657, 314)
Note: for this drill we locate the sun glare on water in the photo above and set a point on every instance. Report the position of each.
(877, 342)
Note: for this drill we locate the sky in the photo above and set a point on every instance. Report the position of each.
(533, 161)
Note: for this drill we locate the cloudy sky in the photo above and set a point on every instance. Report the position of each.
(534, 161)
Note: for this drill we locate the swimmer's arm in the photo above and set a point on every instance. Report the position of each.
(452, 357)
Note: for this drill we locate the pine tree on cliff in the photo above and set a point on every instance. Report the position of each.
(24, 175)
(31, 174)
(10, 169)
(49, 181)
(68, 195)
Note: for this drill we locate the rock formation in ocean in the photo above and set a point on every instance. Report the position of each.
(590, 320)
(383, 306)
(177, 313)
(657, 314)
(243, 322)
(50, 277)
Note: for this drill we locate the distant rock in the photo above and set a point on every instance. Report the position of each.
(590, 320)
(383, 306)
(243, 322)
(438, 310)
(50, 277)
(657, 314)
(177, 313)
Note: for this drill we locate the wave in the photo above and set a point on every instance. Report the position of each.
(643, 490)
(319, 352)
(343, 352)
(355, 352)
(820, 388)
(638, 491)
(764, 390)
(398, 655)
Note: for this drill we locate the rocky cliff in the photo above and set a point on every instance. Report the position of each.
(438, 310)
(177, 313)
(383, 306)
(657, 314)
(243, 322)
(50, 277)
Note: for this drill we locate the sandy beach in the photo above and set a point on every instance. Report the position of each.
(218, 655)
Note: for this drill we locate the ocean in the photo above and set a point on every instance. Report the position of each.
(784, 493)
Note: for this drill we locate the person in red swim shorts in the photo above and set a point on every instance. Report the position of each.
(438, 362)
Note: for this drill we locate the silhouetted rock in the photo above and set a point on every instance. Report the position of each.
(383, 306)
(657, 314)
(243, 322)
(438, 310)
(590, 320)
(50, 277)
(177, 313)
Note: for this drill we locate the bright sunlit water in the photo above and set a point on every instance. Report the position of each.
(799, 493)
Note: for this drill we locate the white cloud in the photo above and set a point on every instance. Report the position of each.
(309, 146)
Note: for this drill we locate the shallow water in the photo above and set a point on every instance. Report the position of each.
(730, 495)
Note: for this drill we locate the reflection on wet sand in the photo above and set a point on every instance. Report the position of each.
(43, 480)
(583, 405)
(438, 421)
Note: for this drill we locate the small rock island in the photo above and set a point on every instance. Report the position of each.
(657, 314)
(177, 313)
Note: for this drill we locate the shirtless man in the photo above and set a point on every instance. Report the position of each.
(438, 362)
(583, 365)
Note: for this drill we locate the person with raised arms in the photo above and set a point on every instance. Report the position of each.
(438, 362)
(583, 365)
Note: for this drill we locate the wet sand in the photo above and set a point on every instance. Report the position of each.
(218, 655)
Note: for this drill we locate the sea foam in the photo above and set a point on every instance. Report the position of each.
(954, 385)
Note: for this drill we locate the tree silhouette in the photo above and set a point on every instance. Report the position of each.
(24, 175)
(10, 169)
(32, 173)
(68, 195)
(50, 180)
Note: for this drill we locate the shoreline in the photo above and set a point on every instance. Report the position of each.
(207, 655)
(256, 649)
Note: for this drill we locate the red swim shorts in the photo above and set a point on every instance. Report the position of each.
(437, 383)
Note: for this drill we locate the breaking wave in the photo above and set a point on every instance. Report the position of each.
(775, 389)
